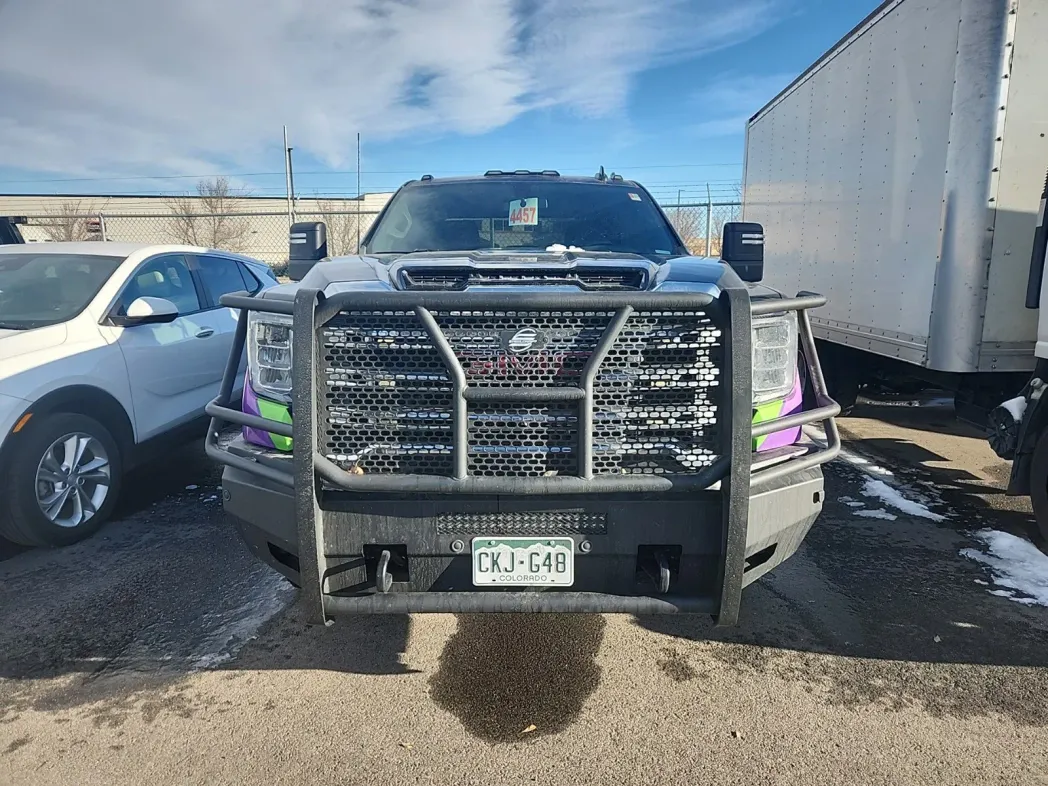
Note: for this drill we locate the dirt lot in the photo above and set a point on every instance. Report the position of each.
(160, 653)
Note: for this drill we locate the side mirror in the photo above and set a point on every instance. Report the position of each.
(150, 311)
(742, 247)
(307, 245)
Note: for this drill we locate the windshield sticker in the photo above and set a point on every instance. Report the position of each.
(524, 212)
(634, 197)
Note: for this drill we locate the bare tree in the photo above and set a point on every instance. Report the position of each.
(208, 217)
(688, 223)
(341, 226)
(66, 221)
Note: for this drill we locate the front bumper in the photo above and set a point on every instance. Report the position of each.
(433, 531)
(643, 543)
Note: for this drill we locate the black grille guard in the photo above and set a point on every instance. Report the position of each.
(312, 310)
(731, 476)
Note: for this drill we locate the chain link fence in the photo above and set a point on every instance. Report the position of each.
(700, 225)
(264, 235)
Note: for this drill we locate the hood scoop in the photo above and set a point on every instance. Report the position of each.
(588, 276)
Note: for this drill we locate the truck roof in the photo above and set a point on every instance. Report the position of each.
(521, 175)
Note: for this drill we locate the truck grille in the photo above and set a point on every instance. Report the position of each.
(386, 397)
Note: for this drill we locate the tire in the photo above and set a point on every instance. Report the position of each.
(48, 438)
(1039, 485)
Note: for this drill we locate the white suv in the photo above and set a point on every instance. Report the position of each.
(108, 352)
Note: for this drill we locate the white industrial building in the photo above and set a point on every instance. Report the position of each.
(256, 226)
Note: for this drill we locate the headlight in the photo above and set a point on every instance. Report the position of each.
(774, 356)
(269, 354)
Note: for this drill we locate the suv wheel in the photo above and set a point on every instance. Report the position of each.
(63, 482)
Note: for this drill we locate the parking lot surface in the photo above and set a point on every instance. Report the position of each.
(898, 646)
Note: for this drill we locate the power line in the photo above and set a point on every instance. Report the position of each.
(333, 172)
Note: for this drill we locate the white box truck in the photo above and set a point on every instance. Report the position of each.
(900, 175)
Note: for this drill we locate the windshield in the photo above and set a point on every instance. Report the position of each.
(45, 289)
(522, 215)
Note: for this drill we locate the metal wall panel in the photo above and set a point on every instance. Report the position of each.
(1023, 160)
(850, 168)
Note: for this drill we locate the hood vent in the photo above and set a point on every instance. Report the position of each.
(593, 278)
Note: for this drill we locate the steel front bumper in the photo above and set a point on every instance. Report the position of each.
(434, 531)
(643, 543)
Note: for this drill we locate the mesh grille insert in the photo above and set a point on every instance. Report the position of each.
(533, 441)
(386, 401)
(655, 400)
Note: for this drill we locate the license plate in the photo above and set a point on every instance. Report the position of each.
(508, 562)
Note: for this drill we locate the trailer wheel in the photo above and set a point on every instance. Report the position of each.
(1039, 485)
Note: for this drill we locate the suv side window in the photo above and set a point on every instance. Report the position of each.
(166, 277)
(221, 276)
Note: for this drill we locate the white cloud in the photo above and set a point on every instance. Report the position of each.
(732, 99)
(160, 86)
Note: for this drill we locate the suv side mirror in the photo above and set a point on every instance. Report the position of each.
(742, 247)
(149, 311)
(307, 245)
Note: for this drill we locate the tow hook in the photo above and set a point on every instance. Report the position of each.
(383, 578)
(659, 573)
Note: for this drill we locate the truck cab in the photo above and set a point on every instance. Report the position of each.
(523, 394)
(9, 232)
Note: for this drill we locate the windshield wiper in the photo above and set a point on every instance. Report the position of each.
(12, 326)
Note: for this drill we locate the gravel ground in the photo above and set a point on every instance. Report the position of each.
(160, 652)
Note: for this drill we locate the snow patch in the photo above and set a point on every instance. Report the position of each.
(818, 435)
(893, 498)
(1016, 408)
(1015, 564)
(876, 513)
(864, 464)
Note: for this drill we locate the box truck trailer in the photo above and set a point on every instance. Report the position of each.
(900, 175)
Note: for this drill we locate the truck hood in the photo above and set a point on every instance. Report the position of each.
(14, 343)
(458, 271)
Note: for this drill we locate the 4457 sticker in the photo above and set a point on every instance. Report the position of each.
(524, 212)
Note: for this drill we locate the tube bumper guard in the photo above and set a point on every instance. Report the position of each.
(294, 511)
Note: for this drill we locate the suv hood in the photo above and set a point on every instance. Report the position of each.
(14, 343)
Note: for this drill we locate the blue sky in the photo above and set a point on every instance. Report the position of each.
(143, 96)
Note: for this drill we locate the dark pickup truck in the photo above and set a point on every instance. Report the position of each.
(9, 233)
(523, 394)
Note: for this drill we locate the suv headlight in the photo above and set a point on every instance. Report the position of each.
(774, 356)
(269, 354)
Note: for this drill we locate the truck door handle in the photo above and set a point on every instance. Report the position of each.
(205, 332)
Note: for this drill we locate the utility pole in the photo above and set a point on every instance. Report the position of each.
(287, 181)
(709, 221)
(358, 192)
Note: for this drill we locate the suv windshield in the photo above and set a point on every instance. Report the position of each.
(37, 290)
(522, 215)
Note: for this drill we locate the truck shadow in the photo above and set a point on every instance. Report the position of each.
(505, 676)
(885, 612)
